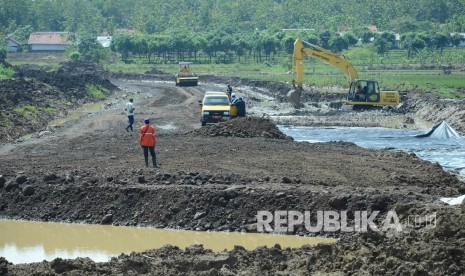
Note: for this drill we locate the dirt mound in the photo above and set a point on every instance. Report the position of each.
(71, 77)
(246, 127)
(28, 105)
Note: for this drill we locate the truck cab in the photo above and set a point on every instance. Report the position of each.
(215, 107)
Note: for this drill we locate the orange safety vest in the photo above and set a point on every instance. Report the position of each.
(147, 136)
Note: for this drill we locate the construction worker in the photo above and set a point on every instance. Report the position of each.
(360, 93)
(240, 103)
(233, 98)
(229, 90)
(148, 140)
(129, 107)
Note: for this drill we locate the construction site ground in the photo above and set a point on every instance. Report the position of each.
(88, 169)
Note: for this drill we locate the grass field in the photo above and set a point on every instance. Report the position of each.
(448, 84)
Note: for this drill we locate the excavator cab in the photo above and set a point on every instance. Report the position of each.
(368, 93)
(364, 91)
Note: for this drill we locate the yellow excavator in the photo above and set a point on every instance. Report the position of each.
(185, 77)
(361, 92)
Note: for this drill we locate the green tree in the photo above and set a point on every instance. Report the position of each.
(240, 46)
(74, 55)
(199, 43)
(367, 36)
(339, 43)
(288, 44)
(139, 45)
(269, 44)
(121, 43)
(2, 53)
(456, 39)
(21, 34)
(313, 39)
(325, 37)
(90, 49)
(384, 42)
(456, 24)
(440, 41)
(404, 24)
(412, 43)
(351, 38)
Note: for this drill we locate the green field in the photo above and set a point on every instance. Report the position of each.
(405, 75)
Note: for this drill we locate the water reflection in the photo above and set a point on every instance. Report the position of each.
(25, 242)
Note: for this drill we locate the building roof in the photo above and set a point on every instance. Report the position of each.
(48, 38)
(124, 30)
(12, 41)
(105, 41)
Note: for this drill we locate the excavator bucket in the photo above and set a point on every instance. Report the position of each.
(294, 97)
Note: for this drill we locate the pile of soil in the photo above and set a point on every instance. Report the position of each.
(71, 77)
(243, 127)
(28, 105)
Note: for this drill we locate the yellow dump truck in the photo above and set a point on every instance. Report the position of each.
(185, 77)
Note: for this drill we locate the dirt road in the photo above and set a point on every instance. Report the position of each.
(91, 170)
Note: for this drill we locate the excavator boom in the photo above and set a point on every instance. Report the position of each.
(320, 54)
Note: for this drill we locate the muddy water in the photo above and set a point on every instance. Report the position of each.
(26, 242)
(449, 153)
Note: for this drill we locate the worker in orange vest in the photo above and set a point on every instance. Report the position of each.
(148, 140)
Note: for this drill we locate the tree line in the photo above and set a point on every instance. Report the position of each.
(222, 46)
(229, 31)
(157, 16)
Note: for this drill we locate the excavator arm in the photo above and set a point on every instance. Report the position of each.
(321, 54)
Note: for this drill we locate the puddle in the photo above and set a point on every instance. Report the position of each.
(168, 126)
(448, 153)
(26, 241)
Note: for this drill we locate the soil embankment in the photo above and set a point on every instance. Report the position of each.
(217, 178)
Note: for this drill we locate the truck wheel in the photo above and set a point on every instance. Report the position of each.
(203, 123)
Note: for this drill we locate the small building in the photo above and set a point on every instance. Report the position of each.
(105, 41)
(48, 41)
(12, 45)
(372, 28)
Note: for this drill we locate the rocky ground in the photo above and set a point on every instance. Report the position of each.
(90, 170)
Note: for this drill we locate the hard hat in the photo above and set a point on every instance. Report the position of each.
(233, 95)
(147, 120)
